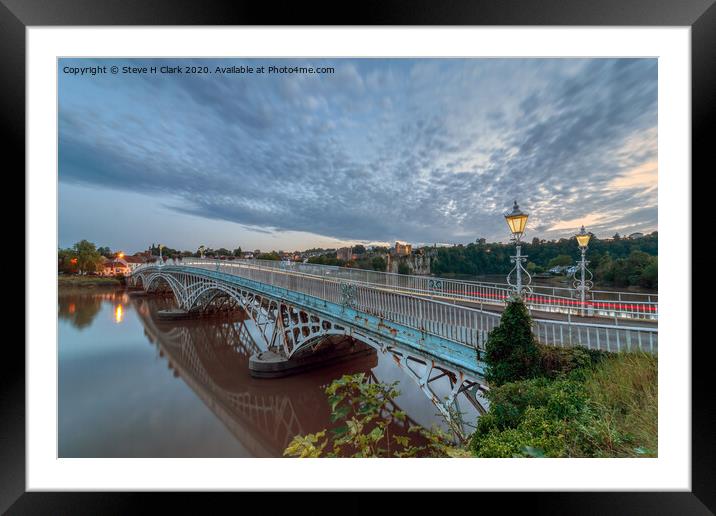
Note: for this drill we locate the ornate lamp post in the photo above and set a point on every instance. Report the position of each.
(161, 260)
(201, 251)
(517, 220)
(583, 284)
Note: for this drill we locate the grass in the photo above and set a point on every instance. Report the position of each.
(623, 407)
(86, 281)
(583, 405)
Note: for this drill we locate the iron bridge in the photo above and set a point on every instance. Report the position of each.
(430, 338)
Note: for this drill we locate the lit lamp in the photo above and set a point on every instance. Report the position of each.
(517, 221)
(583, 284)
(583, 238)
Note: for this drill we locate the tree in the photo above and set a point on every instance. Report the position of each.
(238, 252)
(273, 255)
(88, 259)
(67, 261)
(511, 352)
(562, 260)
(359, 249)
(533, 268)
(403, 268)
(105, 251)
(650, 274)
(378, 263)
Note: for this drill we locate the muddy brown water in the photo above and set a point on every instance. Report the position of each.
(131, 385)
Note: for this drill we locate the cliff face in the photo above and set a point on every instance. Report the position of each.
(416, 263)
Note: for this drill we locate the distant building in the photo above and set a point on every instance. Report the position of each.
(248, 255)
(134, 261)
(345, 254)
(115, 267)
(403, 249)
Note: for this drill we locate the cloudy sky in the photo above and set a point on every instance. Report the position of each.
(421, 150)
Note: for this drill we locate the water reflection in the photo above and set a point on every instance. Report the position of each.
(189, 393)
(81, 305)
(118, 314)
(212, 357)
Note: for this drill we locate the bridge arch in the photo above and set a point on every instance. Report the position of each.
(177, 288)
(196, 300)
(290, 325)
(281, 324)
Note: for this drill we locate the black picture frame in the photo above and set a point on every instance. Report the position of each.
(700, 15)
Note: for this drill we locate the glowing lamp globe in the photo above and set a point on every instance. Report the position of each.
(583, 238)
(517, 221)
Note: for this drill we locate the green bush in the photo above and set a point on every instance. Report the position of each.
(556, 362)
(511, 352)
(539, 414)
(508, 403)
(378, 263)
(593, 405)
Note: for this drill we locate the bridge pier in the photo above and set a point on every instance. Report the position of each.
(330, 350)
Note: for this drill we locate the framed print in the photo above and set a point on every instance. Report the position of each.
(379, 253)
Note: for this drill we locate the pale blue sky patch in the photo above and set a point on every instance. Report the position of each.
(422, 150)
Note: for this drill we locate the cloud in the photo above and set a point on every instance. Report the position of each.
(383, 149)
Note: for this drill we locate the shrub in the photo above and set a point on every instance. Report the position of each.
(596, 405)
(563, 398)
(537, 435)
(539, 414)
(370, 426)
(511, 350)
(556, 362)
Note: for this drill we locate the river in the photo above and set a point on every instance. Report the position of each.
(132, 386)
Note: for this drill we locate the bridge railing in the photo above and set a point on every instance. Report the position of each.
(463, 324)
(546, 299)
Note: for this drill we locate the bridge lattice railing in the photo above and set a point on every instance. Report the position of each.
(631, 305)
(466, 325)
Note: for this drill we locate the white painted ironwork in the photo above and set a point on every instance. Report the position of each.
(466, 325)
(611, 304)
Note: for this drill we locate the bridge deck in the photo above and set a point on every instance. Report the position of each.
(607, 304)
(451, 320)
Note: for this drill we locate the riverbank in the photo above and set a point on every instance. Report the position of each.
(87, 281)
(582, 404)
(603, 405)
